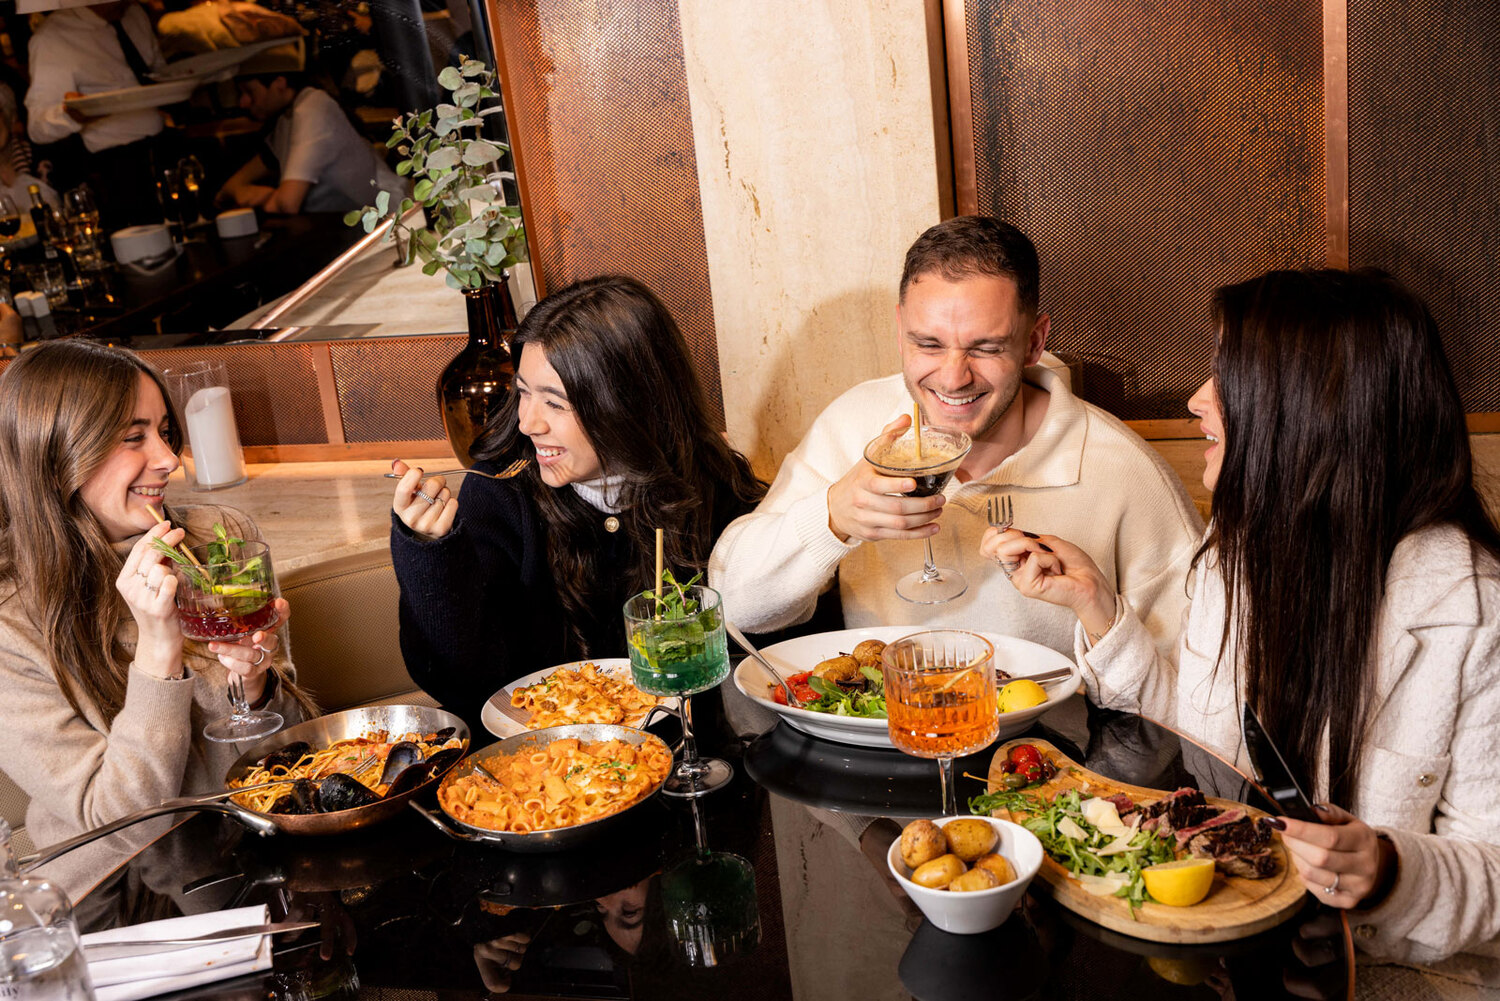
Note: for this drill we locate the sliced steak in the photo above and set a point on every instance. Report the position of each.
(1257, 865)
(1217, 818)
(1182, 809)
(1124, 805)
(1239, 847)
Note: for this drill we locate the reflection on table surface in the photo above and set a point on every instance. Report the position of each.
(762, 894)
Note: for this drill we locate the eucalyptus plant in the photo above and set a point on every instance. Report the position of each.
(471, 233)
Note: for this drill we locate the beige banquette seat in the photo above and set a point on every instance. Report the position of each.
(344, 639)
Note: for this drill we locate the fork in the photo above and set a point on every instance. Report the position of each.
(509, 471)
(1000, 512)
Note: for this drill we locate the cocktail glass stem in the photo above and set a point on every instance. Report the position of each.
(950, 790)
(929, 565)
(691, 767)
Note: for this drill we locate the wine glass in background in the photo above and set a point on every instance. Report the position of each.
(190, 176)
(169, 198)
(713, 914)
(226, 590)
(679, 648)
(932, 466)
(940, 699)
(81, 220)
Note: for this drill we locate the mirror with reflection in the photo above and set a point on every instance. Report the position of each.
(176, 173)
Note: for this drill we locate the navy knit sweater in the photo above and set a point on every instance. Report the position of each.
(479, 606)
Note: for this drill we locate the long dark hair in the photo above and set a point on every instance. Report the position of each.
(1343, 433)
(625, 367)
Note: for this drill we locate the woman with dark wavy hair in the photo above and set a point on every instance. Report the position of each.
(104, 703)
(517, 575)
(1348, 589)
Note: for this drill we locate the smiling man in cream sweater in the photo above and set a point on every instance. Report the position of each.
(971, 337)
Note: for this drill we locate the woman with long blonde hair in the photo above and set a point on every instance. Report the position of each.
(104, 703)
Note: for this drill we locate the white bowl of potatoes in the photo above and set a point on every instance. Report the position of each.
(965, 873)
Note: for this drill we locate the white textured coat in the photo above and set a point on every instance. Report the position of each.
(1430, 772)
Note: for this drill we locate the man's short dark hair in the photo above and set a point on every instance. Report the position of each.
(970, 245)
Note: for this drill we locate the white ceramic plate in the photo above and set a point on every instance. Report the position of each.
(116, 102)
(1016, 657)
(208, 63)
(501, 725)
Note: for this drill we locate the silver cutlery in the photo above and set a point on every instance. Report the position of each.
(509, 471)
(121, 950)
(739, 637)
(1000, 512)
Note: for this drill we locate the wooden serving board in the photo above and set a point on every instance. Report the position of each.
(1234, 908)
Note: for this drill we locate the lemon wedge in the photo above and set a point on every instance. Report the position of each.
(1023, 693)
(1180, 884)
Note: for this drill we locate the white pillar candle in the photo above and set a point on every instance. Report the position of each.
(217, 458)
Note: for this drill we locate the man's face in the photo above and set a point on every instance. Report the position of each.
(964, 345)
(112, 11)
(262, 101)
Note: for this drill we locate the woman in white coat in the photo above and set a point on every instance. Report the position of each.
(1348, 589)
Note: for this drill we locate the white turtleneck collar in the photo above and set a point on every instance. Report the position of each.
(602, 494)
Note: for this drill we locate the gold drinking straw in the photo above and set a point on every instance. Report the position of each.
(658, 573)
(916, 425)
(156, 513)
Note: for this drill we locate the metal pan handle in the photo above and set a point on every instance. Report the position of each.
(209, 803)
(443, 825)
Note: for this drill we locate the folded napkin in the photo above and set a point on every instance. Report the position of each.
(151, 973)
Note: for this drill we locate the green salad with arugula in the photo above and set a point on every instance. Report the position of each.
(1085, 835)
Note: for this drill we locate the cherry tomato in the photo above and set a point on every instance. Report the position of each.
(799, 684)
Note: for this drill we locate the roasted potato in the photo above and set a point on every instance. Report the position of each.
(997, 864)
(842, 668)
(970, 838)
(938, 873)
(974, 879)
(922, 841)
(868, 653)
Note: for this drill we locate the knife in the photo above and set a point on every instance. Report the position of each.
(136, 947)
(1272, 772)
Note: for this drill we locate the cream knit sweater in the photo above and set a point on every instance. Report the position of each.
(1430, 774)
(1084, 476)
(82, 771)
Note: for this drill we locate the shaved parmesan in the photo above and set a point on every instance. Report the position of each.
(1067, 828)
(1102, 886)
(1102, 814)
(1118, 845)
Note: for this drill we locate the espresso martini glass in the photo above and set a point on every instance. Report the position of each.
(942, 451)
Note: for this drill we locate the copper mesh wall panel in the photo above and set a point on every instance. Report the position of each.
(388, 387)
(597, 104)
(1153, 151)
(1424, 168)
(274, 388)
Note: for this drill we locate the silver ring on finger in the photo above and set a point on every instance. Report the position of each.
(423, 494)
(153, 588)
(1334, 887)
(141, 575)
(258, 660)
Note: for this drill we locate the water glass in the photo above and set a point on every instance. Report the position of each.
(940, 699)
(48, 278)
(214, 458)
(679, 648)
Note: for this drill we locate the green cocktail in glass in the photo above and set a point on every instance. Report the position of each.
(678, 647)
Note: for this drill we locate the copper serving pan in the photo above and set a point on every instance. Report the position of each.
(551, 840)
(346, 725)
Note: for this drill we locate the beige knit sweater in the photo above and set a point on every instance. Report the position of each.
(83, 771)
(1084, 476)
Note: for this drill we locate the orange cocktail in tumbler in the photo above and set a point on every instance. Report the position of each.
(940, 699)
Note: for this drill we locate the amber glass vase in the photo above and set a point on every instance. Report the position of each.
(476, 381)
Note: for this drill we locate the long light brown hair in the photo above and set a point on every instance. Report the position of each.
(64, 408)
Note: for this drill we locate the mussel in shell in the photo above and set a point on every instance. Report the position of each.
(414, 776)
(343, 792)
(286, 757)
(303, 798)
(401, 757)
(442, 736)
